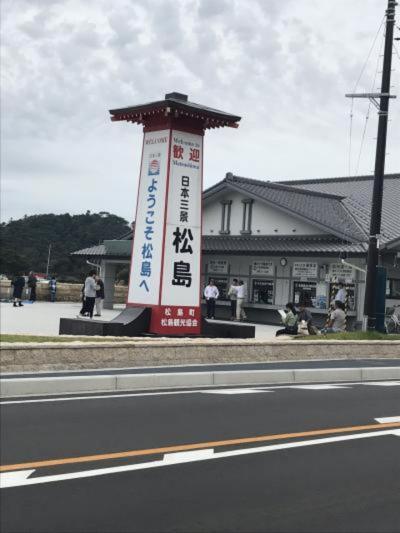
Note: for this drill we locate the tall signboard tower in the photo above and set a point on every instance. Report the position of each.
(166, 251)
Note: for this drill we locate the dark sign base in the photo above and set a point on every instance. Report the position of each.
(233, 330)
(131, 322)
(135, 321)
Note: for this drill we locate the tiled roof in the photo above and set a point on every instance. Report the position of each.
(357, 192)
(324, 209)
(92, 251)
(248, 244)
(176, 104)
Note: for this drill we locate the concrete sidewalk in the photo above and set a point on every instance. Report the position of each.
(43, 318)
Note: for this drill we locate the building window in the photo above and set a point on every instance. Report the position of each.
(226, 217)
(263, 291)
(305, 292)
(247, 214)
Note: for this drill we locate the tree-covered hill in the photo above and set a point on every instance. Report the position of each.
(25, 242)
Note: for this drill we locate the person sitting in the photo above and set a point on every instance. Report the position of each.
(290, 321)
(337, 319)
(304, 315)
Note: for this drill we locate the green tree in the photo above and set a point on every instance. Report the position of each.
(25, 242)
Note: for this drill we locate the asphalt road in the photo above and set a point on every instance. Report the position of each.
(332, 363)
(284, 458)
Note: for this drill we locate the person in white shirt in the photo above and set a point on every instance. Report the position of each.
(232, 293)
(240, 293)
(341, 294)
(89, 295)
(211, 293)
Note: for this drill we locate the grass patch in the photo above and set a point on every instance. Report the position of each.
(352, 336)
(43, 338)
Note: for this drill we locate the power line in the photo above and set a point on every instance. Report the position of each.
(354, 90)
(369, 108)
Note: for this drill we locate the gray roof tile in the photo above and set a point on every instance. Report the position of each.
(358, 194)
(323, 208)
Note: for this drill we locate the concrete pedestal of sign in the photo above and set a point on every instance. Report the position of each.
(135, 321)
(131, 322)
(224, 330)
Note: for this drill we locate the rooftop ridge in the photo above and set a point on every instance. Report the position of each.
(337, 179)
(281, 186)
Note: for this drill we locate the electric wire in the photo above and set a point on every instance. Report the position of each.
(369, 108)
(354, 90)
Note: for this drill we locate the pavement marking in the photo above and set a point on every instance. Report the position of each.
(181, 456)
(388, 419)
(12, 479)
(195, 446)
(233, 391)
(384, 383)
(6, 481)
(317, 387)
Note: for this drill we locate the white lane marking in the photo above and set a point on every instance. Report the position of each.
(178, 457)
(14, 479)
(233, 391)
(383, 383)
(388, 419)
(193, 459)
(317, 387)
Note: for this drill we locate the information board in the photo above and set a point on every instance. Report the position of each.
(264, 268)
(305, 270)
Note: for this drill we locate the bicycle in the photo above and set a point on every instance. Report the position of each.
(392, 321)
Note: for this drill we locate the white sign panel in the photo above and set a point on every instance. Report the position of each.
(181, 275)
(144, 284)
(217, 266)
(265, 268)
(305, 270)
(340, 271)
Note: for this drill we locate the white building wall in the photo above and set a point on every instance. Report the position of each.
(266, 220)
(239, 266)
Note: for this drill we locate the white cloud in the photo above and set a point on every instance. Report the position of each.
(283, 66)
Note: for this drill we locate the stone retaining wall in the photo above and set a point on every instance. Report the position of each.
(66, 292)
(117, 354)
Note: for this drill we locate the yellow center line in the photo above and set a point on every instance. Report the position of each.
(195, 446)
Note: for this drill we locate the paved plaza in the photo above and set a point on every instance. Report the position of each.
(43, 318)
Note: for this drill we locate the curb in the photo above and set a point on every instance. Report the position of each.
(130, 382)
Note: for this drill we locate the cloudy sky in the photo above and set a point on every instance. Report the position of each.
(284, 66)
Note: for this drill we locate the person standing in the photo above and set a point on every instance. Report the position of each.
(32, 282)
(341, 294)
(211, 293)
(90, 295)
(99, 295)
(53, 288)
(241, 294)
(18, 283)
(232, 293)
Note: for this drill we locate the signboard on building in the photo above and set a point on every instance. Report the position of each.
(265, 268)
(305, 270)
(217, 266)
(338, 271)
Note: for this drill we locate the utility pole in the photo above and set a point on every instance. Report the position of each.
(48, 261)
(377, 195)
